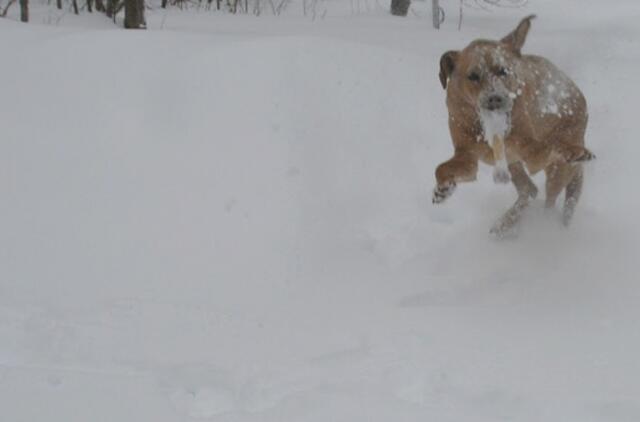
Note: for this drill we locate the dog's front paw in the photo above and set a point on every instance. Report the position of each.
(576, 154)
(442, 192)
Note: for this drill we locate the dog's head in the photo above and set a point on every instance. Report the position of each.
(485, 73)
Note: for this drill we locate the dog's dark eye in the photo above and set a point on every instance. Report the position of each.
(501, 71)
(474, 77)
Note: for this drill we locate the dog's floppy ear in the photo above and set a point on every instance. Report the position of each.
(515, 40)
(447, 64)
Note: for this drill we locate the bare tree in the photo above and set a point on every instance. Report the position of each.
(400, 7)
(24, 10)
(501, 3)
(487, 5)
(134, 14)
(3, 14)
(437, 13)
(110, 10)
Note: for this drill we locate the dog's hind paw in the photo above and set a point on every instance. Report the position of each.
(504, 233)
(442, 192)
(506, 228)
(507, 225)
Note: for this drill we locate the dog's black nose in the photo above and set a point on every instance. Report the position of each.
(495, 102)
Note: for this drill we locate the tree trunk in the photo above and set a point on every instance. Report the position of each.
(111, 8)
(74, 3)
(89, 6)
(59, 4)
(99, 6)
(24, 10)
(400, 7)
(164, 4)
(134, 14)
(435, 13)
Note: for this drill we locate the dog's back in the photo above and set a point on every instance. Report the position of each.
(552, 102)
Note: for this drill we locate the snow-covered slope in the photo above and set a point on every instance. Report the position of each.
(229, 217)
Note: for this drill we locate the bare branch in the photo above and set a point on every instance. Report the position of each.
(6, 9)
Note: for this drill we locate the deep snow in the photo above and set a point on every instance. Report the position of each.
(229, 217)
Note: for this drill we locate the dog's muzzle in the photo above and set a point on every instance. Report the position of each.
(495, 102)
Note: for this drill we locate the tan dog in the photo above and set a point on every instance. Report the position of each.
(533, 115)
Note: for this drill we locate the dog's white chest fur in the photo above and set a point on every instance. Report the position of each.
(495, 127)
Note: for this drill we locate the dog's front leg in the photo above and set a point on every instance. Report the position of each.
(524, 185)
(463, 167)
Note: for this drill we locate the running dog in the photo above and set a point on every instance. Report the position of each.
(517, 113)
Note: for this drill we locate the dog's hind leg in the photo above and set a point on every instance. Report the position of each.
(572, 195)
(558, 177)
(526, 189)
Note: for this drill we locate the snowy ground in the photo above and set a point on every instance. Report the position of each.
(229, 218)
